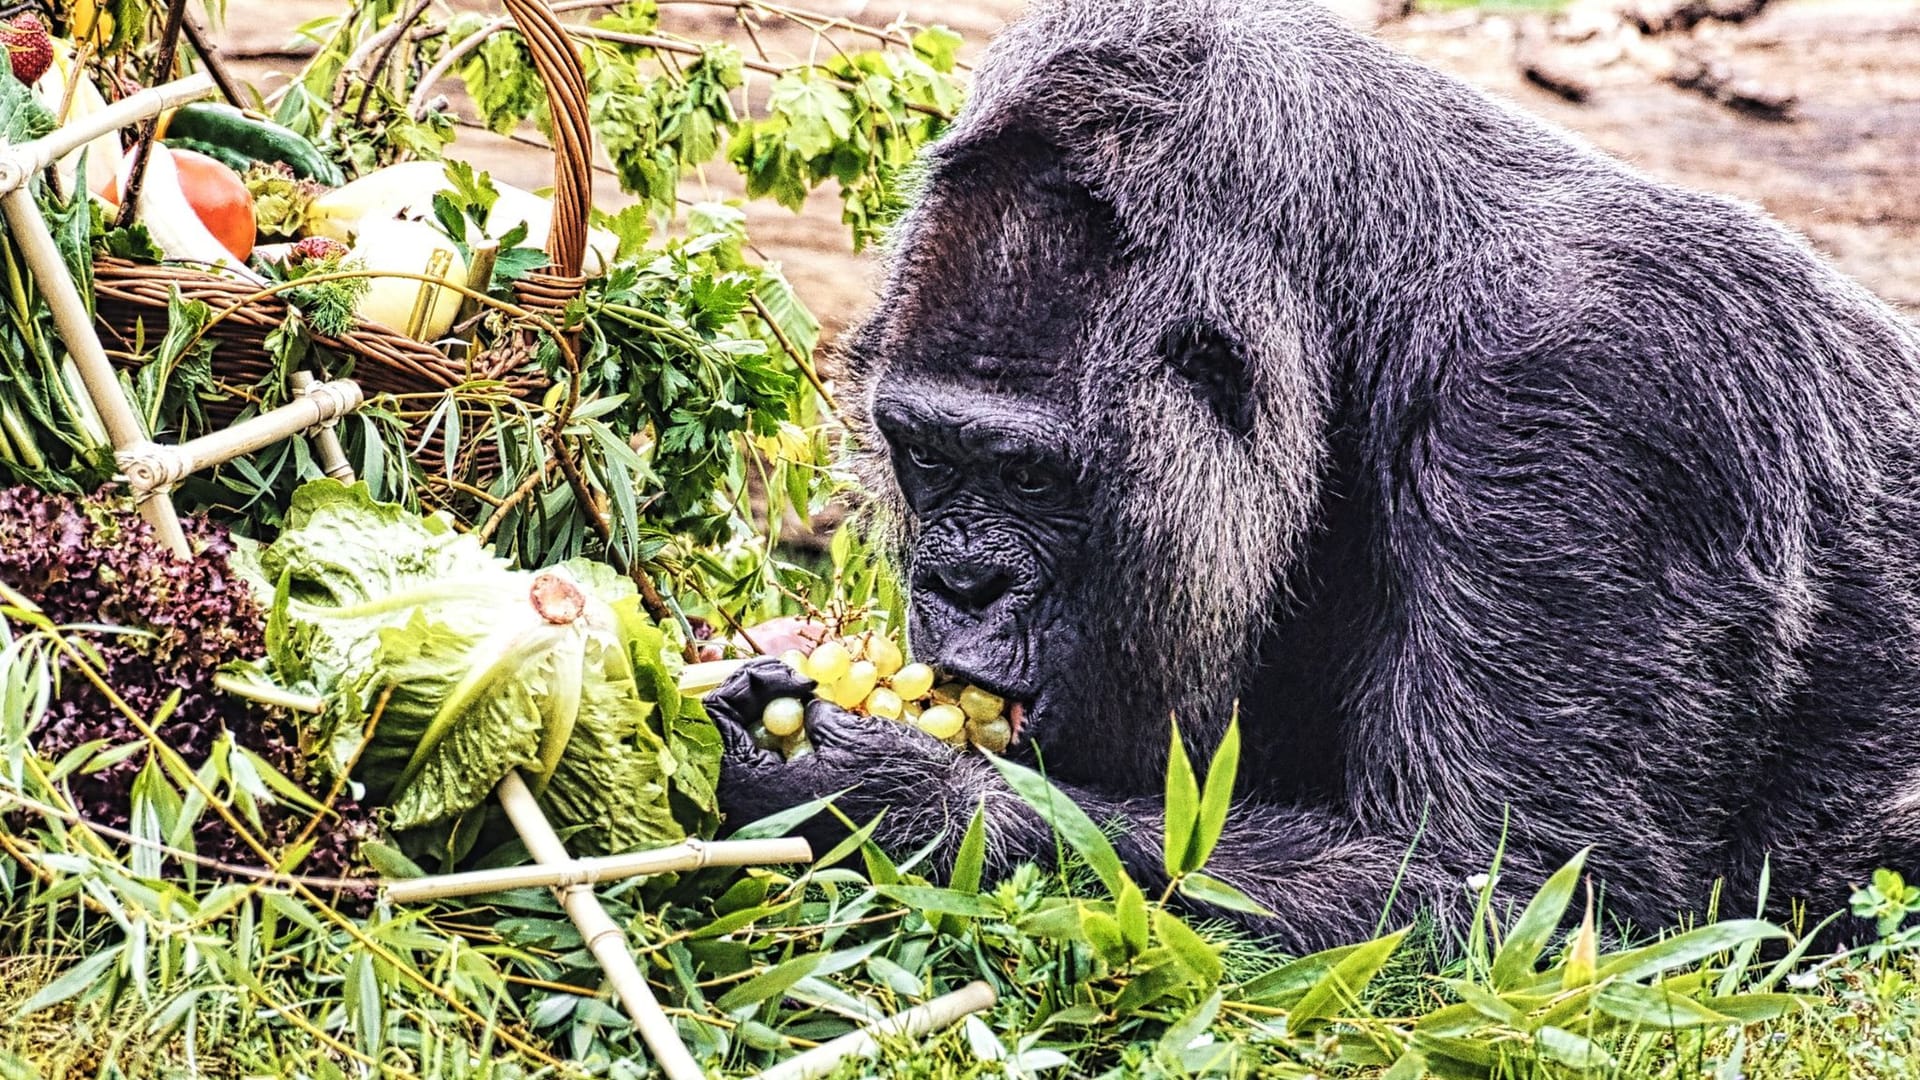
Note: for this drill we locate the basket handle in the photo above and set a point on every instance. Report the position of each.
(566, 84)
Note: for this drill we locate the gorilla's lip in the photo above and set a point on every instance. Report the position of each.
(1020, 702)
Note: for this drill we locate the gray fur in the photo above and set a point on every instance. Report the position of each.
(1550, 494)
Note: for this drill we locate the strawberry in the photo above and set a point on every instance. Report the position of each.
(28, 45)
(316, 249)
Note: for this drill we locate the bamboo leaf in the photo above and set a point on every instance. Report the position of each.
(1194, 951)
(1070, 822)
(1655, 1008)
(1218, 799)
(1339, 988)
(972, 857)
(1520, 953)
(929, 900)
(1104, 934)
(1208, 889)
(1130, 909)
(1574, 1051)
(1183, 808)
(770, 983)
(78, 979)
(1286, 984)
(1682, 950)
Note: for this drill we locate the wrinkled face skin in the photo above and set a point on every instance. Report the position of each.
(999, 510)
(974, 423)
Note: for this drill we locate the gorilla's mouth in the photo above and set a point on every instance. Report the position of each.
(1020, 702)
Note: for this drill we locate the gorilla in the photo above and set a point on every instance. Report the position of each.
(1229, 361)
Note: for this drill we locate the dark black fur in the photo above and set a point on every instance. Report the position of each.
(1230, 355)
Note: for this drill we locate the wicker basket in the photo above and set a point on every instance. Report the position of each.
(132, 298)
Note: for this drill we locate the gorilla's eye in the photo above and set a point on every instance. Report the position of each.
(927, 463)
(1028, 480)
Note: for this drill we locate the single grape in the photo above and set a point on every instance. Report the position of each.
(981, 704)
(886, 656)
(828, 663)
(942, 721)
(948, 693)
(853, 688)
(783, 716)
(884, 703)
(995, 734)
(912, 682)
(795, 659)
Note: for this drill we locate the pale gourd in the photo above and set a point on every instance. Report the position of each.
(421, 310)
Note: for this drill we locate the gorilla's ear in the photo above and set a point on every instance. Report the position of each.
(1212, 361)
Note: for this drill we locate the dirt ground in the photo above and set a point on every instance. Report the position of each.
(1845, 170)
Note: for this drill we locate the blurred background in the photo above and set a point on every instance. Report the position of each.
(1810, 108)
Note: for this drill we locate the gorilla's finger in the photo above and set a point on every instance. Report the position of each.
(830, 725)
(737, 744)
(746, 692)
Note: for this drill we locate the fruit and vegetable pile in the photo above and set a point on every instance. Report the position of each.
(682, 422)
(867, 673)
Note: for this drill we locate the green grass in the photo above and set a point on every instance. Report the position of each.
(133, 960)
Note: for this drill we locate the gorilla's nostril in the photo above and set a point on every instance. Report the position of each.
(971, 587)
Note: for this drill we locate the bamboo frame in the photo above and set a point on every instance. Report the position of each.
(691, 855)
(19, 163)
(151, 468)
(326, 441)
(603, 936)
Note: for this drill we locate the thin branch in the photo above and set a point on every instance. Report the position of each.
(459, 50)
(163, 66)
(396, 32)
(210, 59)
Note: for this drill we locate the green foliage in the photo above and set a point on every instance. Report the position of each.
(50, 435)
(132, 961)
(1889, 901)
(860, 119)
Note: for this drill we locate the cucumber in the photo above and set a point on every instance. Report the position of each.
(253, 139)
(225, 155)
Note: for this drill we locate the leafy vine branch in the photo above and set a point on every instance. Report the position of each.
(423, 90)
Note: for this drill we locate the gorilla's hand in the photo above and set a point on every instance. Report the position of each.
(872, 764)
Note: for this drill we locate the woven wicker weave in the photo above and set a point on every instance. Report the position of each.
(132, 298)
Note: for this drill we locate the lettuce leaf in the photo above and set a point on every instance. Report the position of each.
(442, 677)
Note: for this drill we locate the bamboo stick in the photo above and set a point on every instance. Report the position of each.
(602, 935)
(697, 679)
(941, 1012)
(75, 323)
(692, 855)
(19, 163)
(151, 468)
(326, 441)
(482, 257)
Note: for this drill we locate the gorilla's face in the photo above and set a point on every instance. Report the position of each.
(1000, 529)
(974, 368)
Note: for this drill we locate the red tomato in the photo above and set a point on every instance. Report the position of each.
(219, 197)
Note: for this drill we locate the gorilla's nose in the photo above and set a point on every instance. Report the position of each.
(970, 586)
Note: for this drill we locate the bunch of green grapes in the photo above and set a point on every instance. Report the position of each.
(868, 673)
